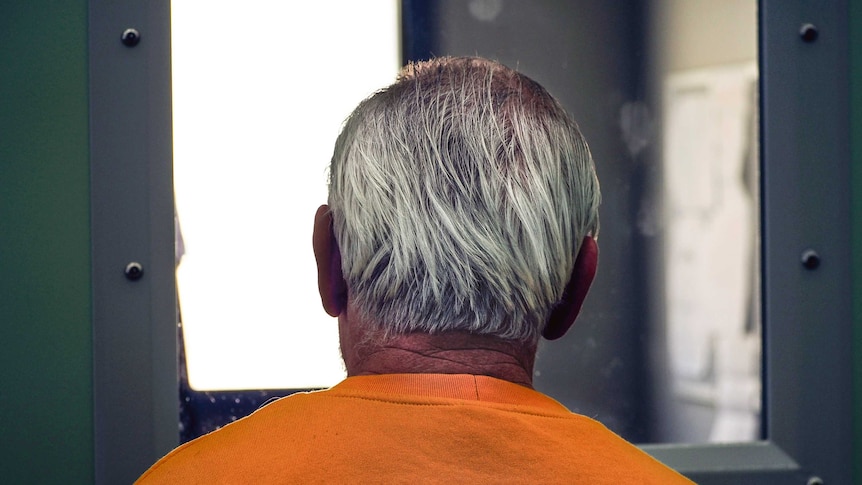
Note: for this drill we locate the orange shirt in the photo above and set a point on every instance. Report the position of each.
(413, 428)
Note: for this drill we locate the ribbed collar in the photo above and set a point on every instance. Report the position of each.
(422, 387)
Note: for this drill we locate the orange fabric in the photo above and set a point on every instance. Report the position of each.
(413, 428)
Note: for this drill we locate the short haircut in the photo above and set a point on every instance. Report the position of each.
(460, 195)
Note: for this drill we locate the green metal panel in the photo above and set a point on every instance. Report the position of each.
(45, 296)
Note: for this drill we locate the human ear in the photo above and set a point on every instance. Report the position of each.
(564, 314)
(330, 278)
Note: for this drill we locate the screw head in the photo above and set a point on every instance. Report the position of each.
(130, 37)
(810, 259)
(134, 271)
(808, 32)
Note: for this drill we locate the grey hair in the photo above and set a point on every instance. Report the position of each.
(460, 195)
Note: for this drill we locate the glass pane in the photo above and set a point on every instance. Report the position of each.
(260, 89)
(667, 348)
(708, 388)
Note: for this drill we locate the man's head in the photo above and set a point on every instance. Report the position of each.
(459, 198)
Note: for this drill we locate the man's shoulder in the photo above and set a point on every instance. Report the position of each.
(223, 453)
(402, 433)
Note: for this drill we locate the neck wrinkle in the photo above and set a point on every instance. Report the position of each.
(448, 353)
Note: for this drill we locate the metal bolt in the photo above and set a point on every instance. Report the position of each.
(810, 259)
(131, 37)
(808, 32)
(815, 481)
(134, 271)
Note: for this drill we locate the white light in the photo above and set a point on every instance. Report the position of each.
(260, 89)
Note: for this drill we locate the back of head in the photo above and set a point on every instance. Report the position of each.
(459, 197)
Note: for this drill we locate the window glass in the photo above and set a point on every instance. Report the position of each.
(708, 338)
(668, 346)
(260, 89)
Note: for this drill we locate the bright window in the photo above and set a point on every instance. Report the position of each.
(259, 95)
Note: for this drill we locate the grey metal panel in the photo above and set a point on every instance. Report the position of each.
(134, 322)
(720, 458)
(750, 477)
(806, 204)
(760, 463)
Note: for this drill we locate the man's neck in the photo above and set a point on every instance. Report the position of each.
(448, 353)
